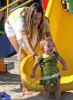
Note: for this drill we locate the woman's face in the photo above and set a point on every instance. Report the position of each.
(36, 18)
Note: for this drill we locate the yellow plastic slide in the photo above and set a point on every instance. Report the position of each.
(61, 26)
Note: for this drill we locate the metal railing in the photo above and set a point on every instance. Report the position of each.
(10, 4)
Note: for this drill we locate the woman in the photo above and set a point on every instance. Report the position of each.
(25, 27)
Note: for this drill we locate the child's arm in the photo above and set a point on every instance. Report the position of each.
(34, 69)
(62, 62)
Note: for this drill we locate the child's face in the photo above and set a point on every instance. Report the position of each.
(48, 47)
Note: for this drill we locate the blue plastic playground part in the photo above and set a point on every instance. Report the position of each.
(14, 6)
(5, 96)
(6, 49)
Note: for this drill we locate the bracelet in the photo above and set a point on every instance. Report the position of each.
(33, 56)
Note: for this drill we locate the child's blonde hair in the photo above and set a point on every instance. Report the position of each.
(42, 42)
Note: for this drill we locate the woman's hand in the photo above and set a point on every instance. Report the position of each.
(35, 56)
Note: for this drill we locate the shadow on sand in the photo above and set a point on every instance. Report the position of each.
(65, 96)
(9, 78)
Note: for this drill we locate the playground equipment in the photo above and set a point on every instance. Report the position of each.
(6, 49)
(61, 27)
(44, 4)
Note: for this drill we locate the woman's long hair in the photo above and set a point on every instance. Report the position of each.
(27, 13)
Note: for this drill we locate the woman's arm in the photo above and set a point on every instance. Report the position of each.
(28, 44)
(21, 29)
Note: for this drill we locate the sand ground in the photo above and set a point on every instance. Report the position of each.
(10, 83)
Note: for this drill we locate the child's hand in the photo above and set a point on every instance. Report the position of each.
(32, 75)
(64, 67)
